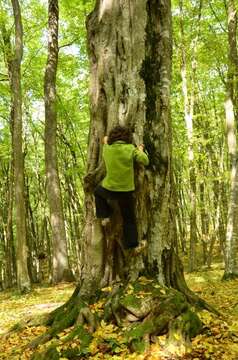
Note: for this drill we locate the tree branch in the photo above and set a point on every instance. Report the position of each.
(68, 44)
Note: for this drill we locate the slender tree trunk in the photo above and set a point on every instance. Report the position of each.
(231, 105)
(10, 249)
(188, 114)
(23, 280)
(60, 257)
(204, 223)
(32, 238)
(217, 213)
(222, 220)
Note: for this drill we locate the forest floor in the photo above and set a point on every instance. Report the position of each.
(219, 341)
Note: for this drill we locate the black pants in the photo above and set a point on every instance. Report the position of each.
(126, 204)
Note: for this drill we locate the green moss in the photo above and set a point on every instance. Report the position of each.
(139, 330)
(75, 353)
(178, 299)
(50, 354)
(107, 312)
(130, 301)
(66, 319)
(80, 332)
(184, 327)
(138, 346)
(59, 313)
(229, 276)
(146, 287)
(194, 324)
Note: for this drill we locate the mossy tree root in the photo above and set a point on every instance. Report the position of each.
(149, 310)
(71, 353)
(74, 311)
(144, 307)
(174, 276)
(229, 276)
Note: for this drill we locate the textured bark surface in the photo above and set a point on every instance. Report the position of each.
(10, 249)
(130, 49)
(189, 108)
(116, 32)
(156, 197)
(60, 257)
(23, 280)
(231, 106)
(11, 269)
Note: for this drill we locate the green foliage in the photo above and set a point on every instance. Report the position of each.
(204, 43)
(73, 116)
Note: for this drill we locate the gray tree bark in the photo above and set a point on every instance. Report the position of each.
(231, 106)
(10, 249)
(11, 270)
(189, 100)
(60, 257)
(23, 280)
(130, 49)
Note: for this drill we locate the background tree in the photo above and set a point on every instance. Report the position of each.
(231, 107)
(8, 169)
(23, 280)
(188, 115)
(72, 130)
(59, 245)
(209, 142)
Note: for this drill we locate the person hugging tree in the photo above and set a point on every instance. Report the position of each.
(119, 155)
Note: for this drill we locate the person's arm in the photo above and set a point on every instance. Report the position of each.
(140, 156)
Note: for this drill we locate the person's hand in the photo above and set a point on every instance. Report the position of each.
(105, 139)
(140, 147)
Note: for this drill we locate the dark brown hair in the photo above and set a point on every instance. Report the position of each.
(117, 133)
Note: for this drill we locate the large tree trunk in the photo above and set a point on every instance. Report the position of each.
(231, 106)
(23, 280)
(130, 49)
(130, 53)
(60, 257)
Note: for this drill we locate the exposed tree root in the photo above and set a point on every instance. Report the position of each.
(175, 278)
(229, 276)
(38, 320)
(74, 312)
(143, 308)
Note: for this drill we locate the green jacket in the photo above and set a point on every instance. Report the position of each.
(119, 159)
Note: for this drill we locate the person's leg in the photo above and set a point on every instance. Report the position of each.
(126, 204)
(103, 209)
